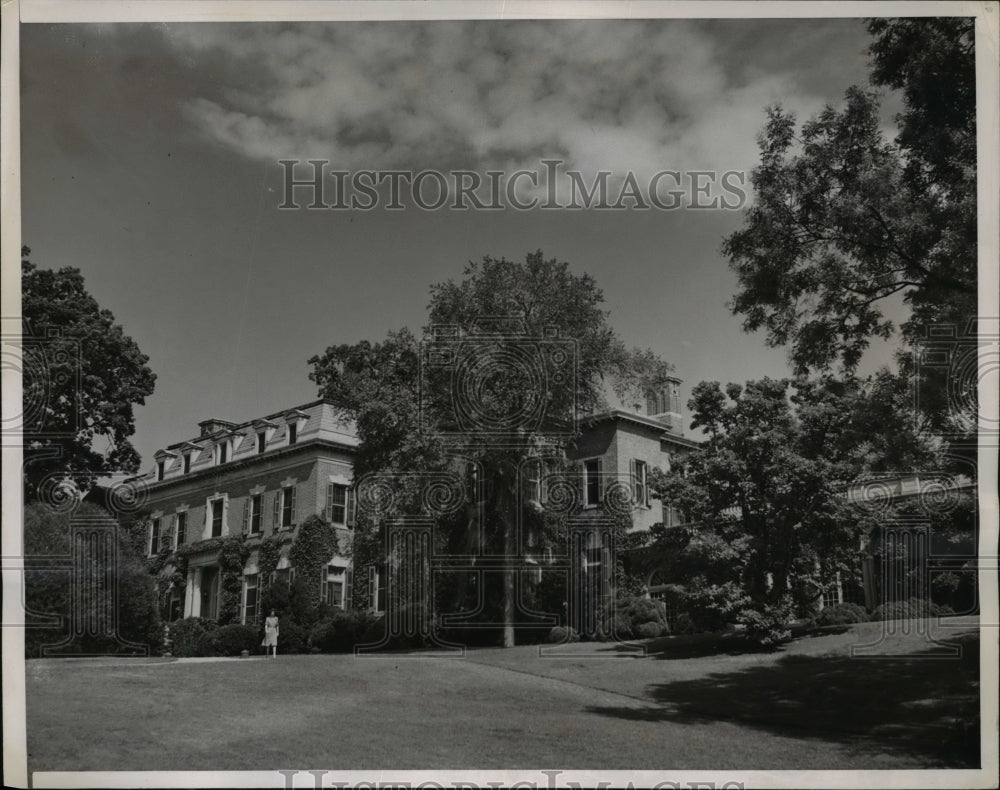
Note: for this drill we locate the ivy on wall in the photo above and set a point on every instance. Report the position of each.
(268, 556)
(313, 548)
(233, 554)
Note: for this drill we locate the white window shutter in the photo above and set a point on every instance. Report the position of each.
(277, 509)
(600, 480)
(329, 503)
(294, 488)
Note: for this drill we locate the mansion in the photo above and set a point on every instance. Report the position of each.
(265, 476)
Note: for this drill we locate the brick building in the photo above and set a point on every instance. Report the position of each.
(256, 478)
(264, 477)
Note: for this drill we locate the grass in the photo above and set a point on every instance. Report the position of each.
(693, 702)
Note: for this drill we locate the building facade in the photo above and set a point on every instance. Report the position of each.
(257, 479)
(262, 478)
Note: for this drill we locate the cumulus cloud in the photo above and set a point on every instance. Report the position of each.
(603, 95)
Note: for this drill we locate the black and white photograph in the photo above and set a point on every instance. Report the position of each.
(467, 395)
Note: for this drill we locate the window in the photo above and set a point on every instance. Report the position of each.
(261, 442)
(334, 594)
(187, 463)
(288, 506)
(160, 468)
(181, 533)
(336, 504)
(222, 452)
(218, 506)
(154, 536)
(293, 432)
(332, 588)
(250, 599)
(640, 491)
(592, 482)
(256, 513)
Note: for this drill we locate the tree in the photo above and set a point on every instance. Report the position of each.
(764, 495)
(82, 377)
(50, 592)
(487, 383)
(843, 219)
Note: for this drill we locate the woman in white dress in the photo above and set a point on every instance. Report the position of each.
(271, 634)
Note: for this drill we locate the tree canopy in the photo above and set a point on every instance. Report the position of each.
(82, 377)
(512, 354)
(764, 496)
(843, 219)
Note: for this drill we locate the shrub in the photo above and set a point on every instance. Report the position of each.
(231, 640)
(631, 615)
(340, 633)
(684, 624)
(559, 635)
(192, 637)
(910, 609)
(768, 625)
(712, 607)
(292, 637)
(651, 630)
(842, 614)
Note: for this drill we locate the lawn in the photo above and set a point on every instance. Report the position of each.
(691, 703)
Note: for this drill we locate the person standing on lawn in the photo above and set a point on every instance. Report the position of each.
(271, 634)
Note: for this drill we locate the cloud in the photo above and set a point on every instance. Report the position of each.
(604, 95)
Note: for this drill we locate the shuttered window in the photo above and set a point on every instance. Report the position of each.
(218, 507)
(181, 532)
(288, 506)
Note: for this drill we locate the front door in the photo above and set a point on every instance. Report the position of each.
(210, 593)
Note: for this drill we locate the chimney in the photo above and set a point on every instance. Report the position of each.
(214, 425)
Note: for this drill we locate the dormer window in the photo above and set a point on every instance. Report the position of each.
(222, 452)
(163, 463)
(295, 421)
(187, 463)
(263, 433)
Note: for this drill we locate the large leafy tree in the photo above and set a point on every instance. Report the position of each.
(82, 377)
(764, 495)
(499, 322)
(844, 219)
(51, 601)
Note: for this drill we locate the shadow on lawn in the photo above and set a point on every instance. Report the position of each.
(915, 705)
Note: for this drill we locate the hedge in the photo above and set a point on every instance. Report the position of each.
(842, 614)
(910, 609)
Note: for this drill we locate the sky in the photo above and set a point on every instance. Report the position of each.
(150, 162)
